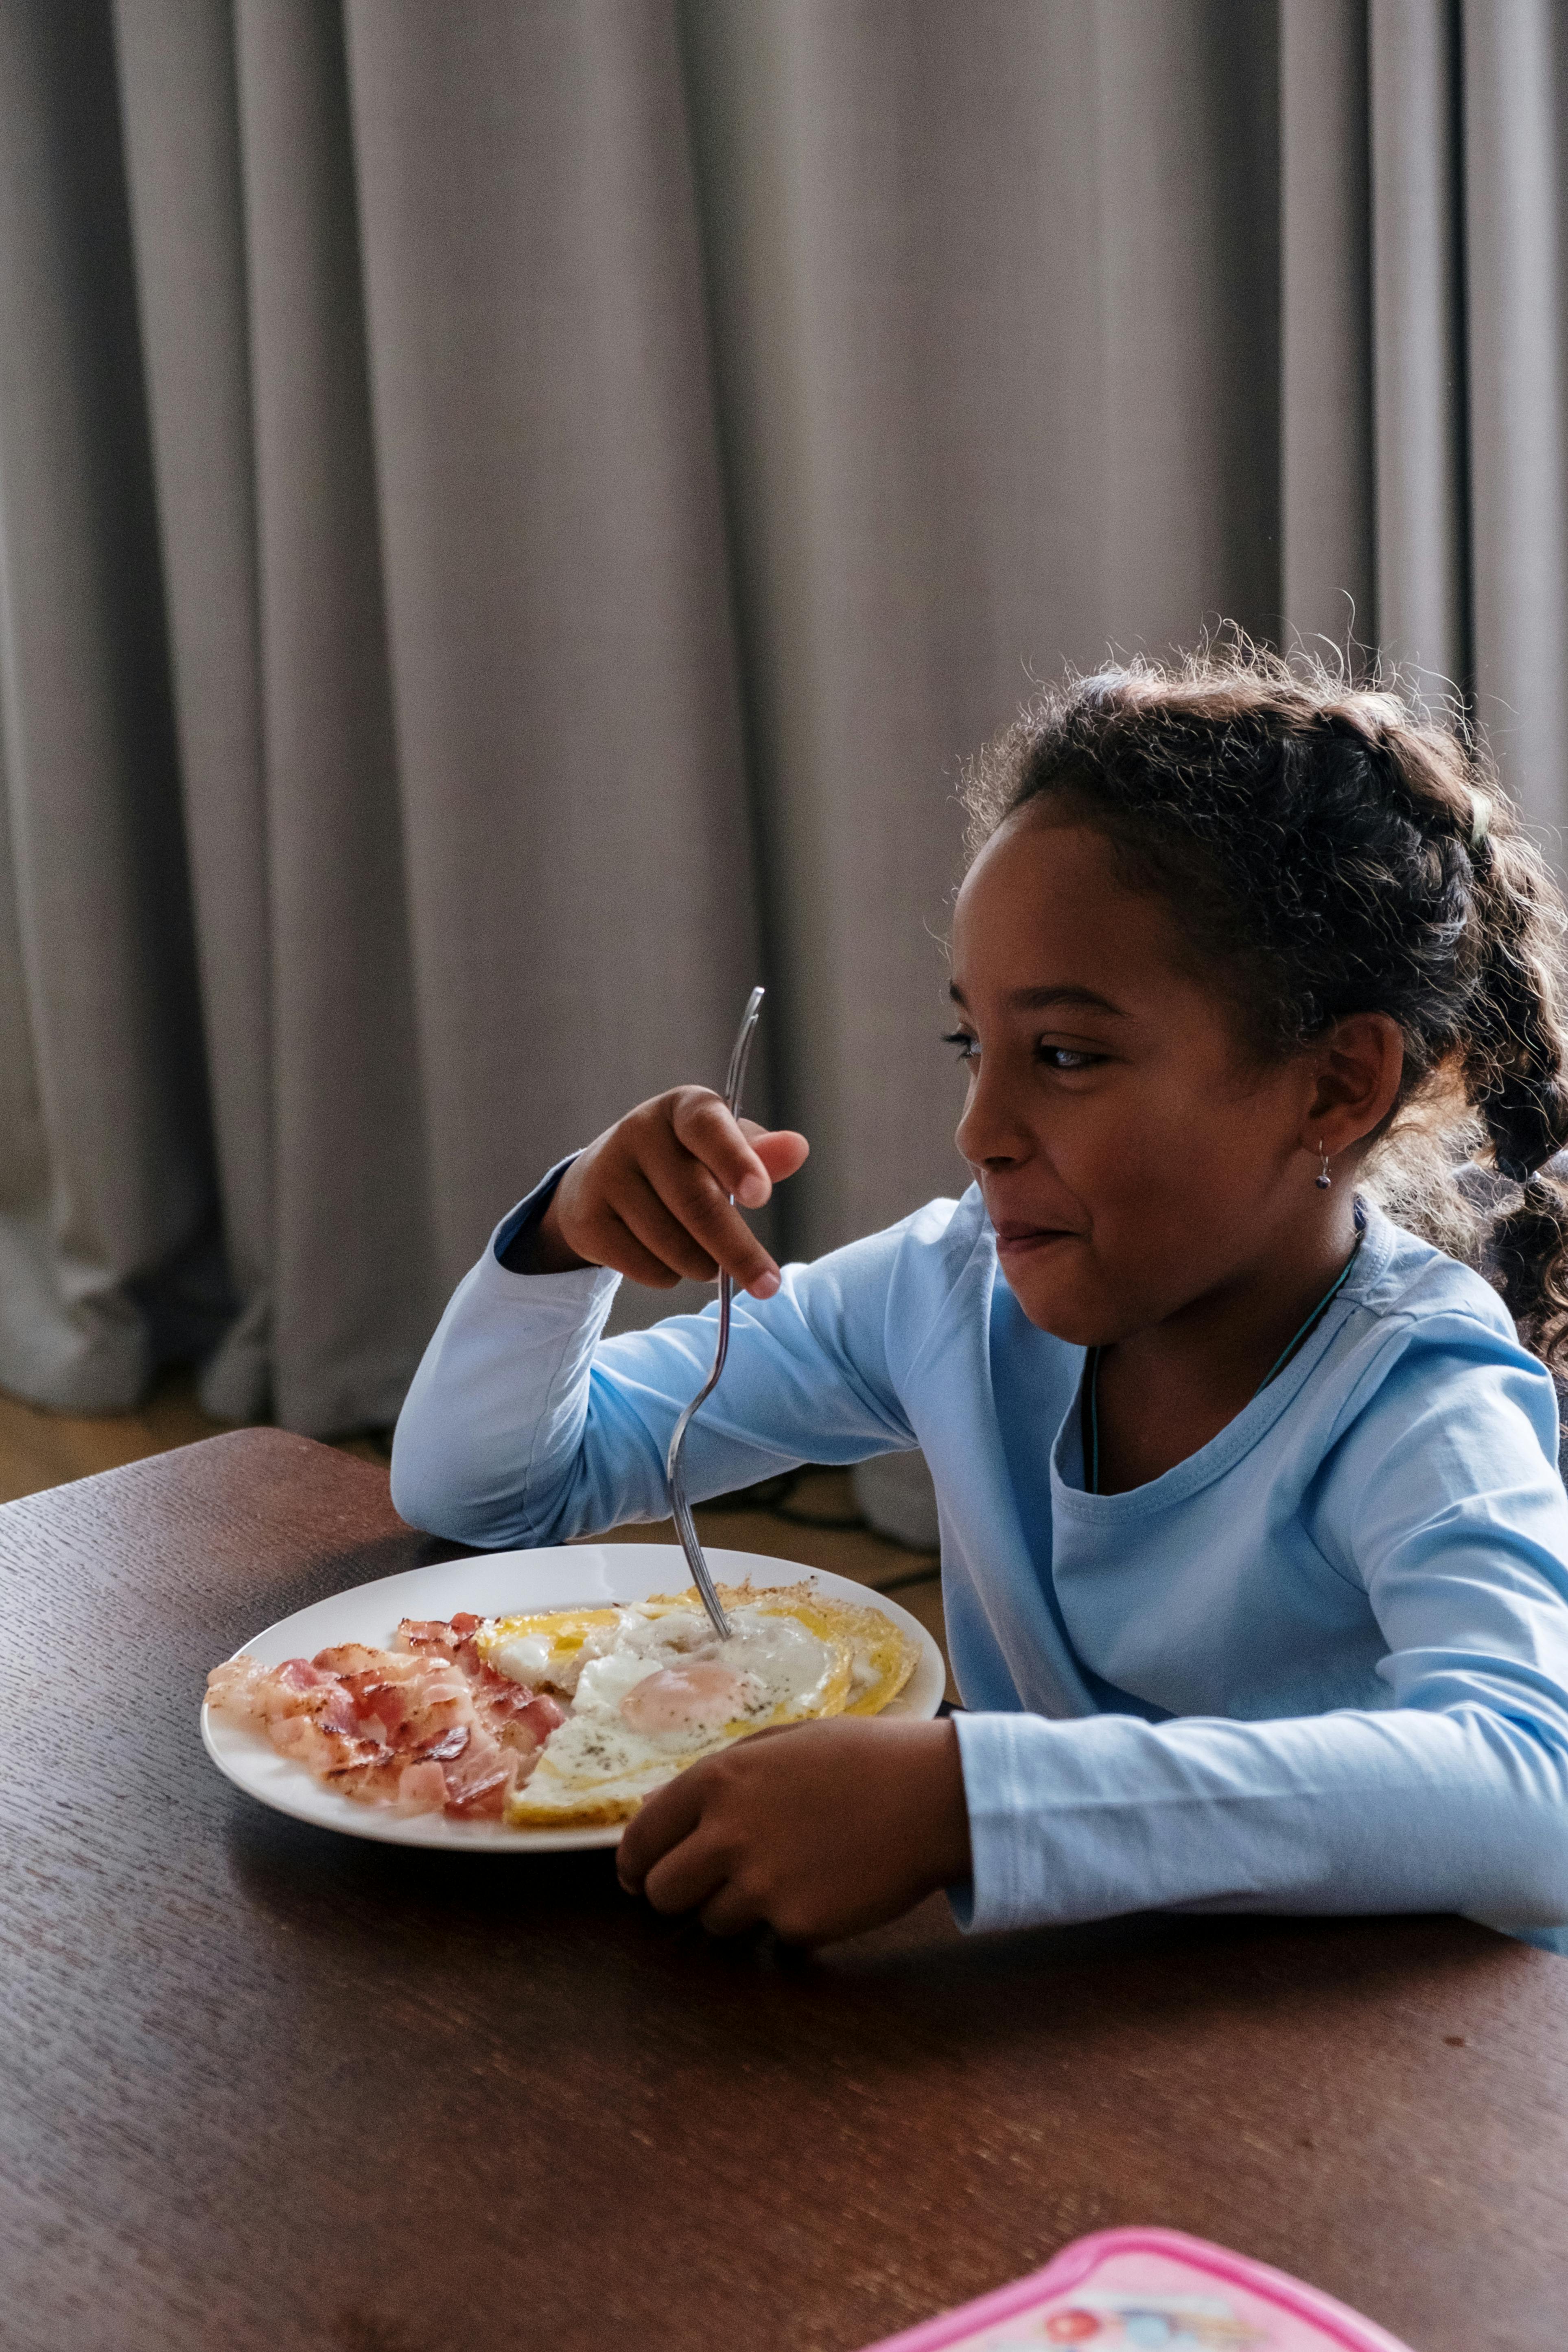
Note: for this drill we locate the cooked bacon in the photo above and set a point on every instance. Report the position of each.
(427, 1633)
(301, 1674)
(446, 1745)
(327, 1751)
(425, 1726)
(477, 1782)
(231, 1688)
(542, 1715)
(422, 1788)
(299, 1690)
(349, 1658)
(455, 1635)
(485, 1802)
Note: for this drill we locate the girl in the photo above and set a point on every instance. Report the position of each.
(1254, 1551)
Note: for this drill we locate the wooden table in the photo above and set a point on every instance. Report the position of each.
(264, 2087)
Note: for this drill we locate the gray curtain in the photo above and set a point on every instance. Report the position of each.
(512, 510)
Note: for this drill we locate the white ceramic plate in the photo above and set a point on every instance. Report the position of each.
(494, 1584)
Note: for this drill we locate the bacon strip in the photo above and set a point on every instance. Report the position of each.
(424, 1727)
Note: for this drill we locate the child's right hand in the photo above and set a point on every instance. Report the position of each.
(651, 1197)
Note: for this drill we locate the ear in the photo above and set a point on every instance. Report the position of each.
(1359, 1066)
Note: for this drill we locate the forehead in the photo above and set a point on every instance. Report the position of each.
(1043, 904)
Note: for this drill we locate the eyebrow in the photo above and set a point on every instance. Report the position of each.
(1039, 1000)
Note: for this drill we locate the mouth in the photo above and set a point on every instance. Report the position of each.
(1014, 1239)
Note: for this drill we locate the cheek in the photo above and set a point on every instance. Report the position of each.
(1119, 1149)
(1151, 1206)
(1171, 1181)
(1197, 1157)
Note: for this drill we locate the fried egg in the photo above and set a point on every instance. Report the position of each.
(652, 1688)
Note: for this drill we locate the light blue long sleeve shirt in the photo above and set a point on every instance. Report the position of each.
(1322, 1665)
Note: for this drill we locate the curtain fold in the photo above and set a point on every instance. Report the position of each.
(105, 1170)
(511, 516)
(1327, 440)
(573, 802)
(350, 1204)
(1421, 441)
(1515, 165)
(180, 112)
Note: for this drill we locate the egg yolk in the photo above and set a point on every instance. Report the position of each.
(697, 1694)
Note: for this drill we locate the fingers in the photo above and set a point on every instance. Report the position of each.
(701, 1844)
(671, 1813)
(645, 1215)
(717, 1235)
(781, 1150)
(692, 1164)
(652, 1196)
(670, 1854)
(732, 1911)
(687, 1878)
(819, 1830)
(625, 1253)
(702, 1122)
(699, 1874)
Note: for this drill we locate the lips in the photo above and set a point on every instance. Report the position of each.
(1012, 1235)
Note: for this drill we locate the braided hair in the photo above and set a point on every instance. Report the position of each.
(1324, 849)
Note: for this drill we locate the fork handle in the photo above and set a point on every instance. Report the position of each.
(679, 1509)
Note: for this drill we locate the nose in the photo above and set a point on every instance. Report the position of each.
(990, 1135)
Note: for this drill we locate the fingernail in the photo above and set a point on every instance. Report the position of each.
(754, 1192)
(764, 1286)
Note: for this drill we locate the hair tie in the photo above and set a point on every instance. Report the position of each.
(1480, 817)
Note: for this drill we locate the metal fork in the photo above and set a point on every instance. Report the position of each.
(681, 1511)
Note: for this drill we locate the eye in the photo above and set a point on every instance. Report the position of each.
(1067, 1057)
(966, 1047)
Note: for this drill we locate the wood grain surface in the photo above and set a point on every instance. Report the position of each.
(264, 2087)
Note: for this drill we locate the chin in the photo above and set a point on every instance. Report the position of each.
(1075, 1320)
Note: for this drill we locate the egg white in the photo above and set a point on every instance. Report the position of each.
(793, 1654)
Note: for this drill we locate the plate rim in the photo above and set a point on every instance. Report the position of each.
(286, 1787)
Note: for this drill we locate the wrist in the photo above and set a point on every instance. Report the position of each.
(538, 1244)
(547, 1249)
(947, 1807)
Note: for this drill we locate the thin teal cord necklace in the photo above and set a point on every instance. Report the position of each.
(1278, 1366)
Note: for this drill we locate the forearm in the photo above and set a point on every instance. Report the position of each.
(497, 1405)
(523, 1426)
(1403, 1811)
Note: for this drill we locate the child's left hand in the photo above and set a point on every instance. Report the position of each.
(819, 1830)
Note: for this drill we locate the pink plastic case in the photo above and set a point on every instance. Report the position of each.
(1149, 2291)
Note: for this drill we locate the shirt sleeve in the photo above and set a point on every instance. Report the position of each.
(523, 1425)
(1442, 1501)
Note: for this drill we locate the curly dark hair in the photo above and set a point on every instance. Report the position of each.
(1328, 848)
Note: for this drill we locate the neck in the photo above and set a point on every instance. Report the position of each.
(1166, 1389)
(1243, 1322)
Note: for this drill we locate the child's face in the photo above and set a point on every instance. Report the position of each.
(1132, 1157)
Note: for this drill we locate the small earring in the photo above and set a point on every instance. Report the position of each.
(1324, 1180)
